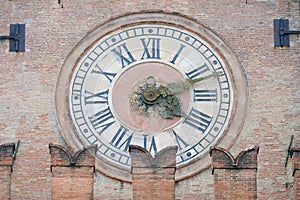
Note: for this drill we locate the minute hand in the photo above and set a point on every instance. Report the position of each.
(180, 86)
(196, 80)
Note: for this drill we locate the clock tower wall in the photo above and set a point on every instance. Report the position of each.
(54, 28)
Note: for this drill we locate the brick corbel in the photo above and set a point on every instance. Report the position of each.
(72, 173)
(153, 177)
(223, 159)
(295, 155)
(7, 153)
(141, 158)
(7, 157)
(61, 157)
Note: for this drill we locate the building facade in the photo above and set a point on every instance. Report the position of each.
(41, 159)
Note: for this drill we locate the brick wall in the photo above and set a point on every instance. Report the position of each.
(28, 82)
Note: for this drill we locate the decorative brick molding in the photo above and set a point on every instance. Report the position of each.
(153, 178)
(222, 159)
(295, 155)
(234, 177)
(7, 152)
(72, 173)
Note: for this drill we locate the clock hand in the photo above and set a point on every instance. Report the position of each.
(173, 106)
(196, 80)
(162, 98)
(180, 86)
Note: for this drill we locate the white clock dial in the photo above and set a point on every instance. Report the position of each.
(106, 93)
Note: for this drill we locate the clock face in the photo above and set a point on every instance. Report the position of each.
(154, 84)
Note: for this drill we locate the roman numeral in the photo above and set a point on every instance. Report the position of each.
(198, 120)
(181, 143)
(150, 146)
(98, 98)
(124, 54)
(121, 140)
(102, 120)
(151, 48)
(197, 72)
(205, 95)
(110, 76)
(177, 54)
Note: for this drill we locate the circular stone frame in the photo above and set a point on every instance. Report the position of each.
(240, 87)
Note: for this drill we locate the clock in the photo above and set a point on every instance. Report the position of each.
(151, 79)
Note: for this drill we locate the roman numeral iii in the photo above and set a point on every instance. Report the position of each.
(205, 95)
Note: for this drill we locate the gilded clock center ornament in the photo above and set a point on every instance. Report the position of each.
(151, 79)
(154, 97)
